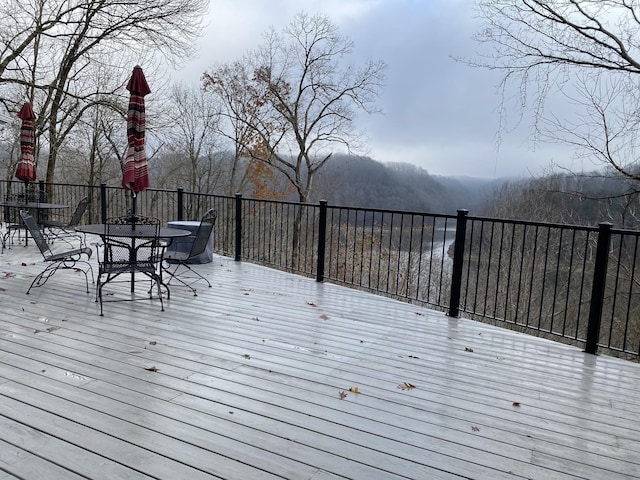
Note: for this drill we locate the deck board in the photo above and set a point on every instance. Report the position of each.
(248, 377)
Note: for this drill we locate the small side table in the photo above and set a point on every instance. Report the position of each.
(183, 244)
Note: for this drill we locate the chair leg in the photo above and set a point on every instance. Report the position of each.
(173, 274)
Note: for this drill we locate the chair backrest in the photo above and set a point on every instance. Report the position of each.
(80, 209)
(204, 232)
(36, 233)
(119, 250)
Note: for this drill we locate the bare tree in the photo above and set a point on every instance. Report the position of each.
(586, 52)
(53, 44)
(308, 98)
(240, 110)
(191, 128)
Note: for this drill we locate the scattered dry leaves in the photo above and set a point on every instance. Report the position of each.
(516, 404)
(247, 356)
(152, 369)
(9, 275)
(413, 356)
(420, 314)
(153, 343)
(342, 395)
(255, 319)
(406, 386)
(52, 329)
(468, 349)
(324, 317)
(354, 389)
(311, 304)
(474, 428)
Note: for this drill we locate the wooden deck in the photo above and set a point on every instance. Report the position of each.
(257, 378)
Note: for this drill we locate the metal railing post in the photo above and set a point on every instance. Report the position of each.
(322, 234)
(180, 204)
(103, 203)
(238, 227)
(458, 260)
(597, 289)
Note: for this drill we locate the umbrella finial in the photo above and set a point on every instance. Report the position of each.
(138, 83)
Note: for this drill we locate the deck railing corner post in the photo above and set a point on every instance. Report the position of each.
(180, 204)
(103, 203)
(238, 249)
(458, 259)
(598, 286)
(322, 234)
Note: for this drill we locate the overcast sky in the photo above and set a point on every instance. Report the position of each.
(438, 113)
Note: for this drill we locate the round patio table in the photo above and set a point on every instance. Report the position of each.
(133, 232)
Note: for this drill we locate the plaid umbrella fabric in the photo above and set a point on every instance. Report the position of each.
(135, 176)
(26, 168)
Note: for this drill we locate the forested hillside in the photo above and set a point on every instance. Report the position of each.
(581, 199)
(363, 182)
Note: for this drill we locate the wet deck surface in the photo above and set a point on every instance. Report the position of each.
(272, 375)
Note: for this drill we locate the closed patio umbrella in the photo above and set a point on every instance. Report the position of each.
(26, 168)
(135, 175)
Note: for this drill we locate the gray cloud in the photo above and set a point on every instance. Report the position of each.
(439, 113)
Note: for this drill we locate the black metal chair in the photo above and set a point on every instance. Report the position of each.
(128, 255)
(57, 229)
(13, 222)
(66, 259)
(188, 276)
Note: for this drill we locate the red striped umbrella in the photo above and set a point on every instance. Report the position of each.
(26, 169)
(135, 176)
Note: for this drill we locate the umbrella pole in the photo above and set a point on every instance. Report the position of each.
(134, 208)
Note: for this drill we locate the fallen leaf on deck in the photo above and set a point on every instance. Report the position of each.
(152, 369)
(2, 289)
(406, 386)
(474, 428)
(420, 313)
(52, 329)
(500, 358)
(413, 356)
(342, 395)
(516, 404)
(9, 275)
(354, 389)
(152, 343)
(324, 317)
(247, 356)
(37, 331)
(255, 318)
(265, 339)
(468, 349)
(311, 304)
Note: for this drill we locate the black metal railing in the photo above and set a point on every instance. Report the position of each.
(576, 284)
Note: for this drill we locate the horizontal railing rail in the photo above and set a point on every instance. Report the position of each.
(572, 283)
